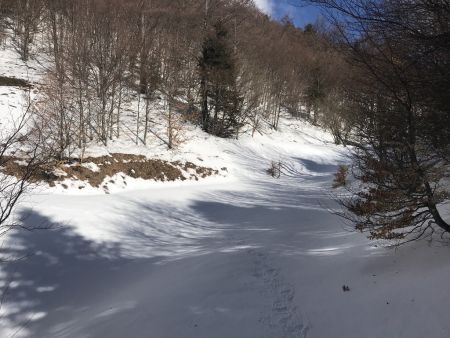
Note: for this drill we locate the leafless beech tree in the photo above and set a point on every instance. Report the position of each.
(3, 18)
(401, 105)
(27, 15)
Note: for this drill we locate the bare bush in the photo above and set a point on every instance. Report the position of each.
(275, 169)
(340, 177)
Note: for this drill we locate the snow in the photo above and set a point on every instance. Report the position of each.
(237, 255)
(241, 256)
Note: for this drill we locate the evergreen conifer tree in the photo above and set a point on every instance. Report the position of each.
(221, 100)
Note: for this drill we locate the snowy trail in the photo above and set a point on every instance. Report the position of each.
(255, 257)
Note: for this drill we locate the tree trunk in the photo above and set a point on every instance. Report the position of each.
(205, 112)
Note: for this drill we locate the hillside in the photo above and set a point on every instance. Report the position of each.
(165, 226)
(246, 255)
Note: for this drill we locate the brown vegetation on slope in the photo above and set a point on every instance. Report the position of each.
(136, 166)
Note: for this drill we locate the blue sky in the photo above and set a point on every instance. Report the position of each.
(280, 8)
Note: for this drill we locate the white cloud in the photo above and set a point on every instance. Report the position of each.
(264, 5)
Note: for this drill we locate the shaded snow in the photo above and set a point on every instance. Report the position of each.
(249, 256)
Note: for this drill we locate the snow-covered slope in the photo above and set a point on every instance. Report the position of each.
(242, 255)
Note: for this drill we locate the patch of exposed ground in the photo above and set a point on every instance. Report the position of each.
(95, 170)
(13, 82)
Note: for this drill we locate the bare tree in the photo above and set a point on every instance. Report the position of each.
(401, 158)
(3, 18)
(22, 148)
(27, 16)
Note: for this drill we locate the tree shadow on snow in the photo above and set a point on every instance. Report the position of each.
(49, 291)
(52, 271)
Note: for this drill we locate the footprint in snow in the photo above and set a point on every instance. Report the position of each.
(282, 316)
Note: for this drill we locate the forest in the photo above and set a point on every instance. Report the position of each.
(225, 64)
(375, 77)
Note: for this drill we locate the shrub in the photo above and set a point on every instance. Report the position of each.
(340, 177)
(275, 169)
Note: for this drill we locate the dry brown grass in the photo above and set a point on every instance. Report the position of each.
(136, 166)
